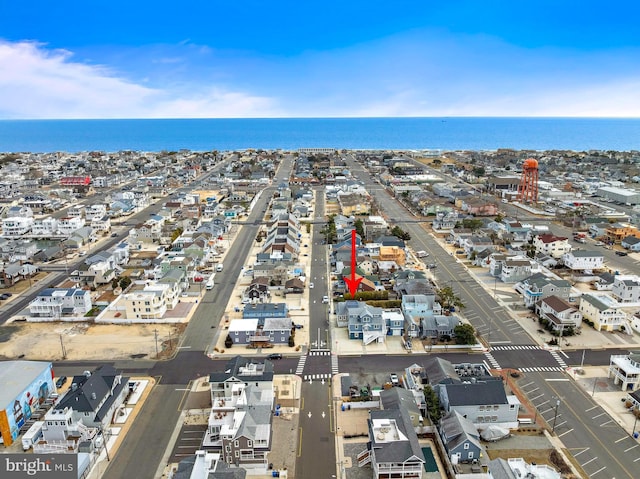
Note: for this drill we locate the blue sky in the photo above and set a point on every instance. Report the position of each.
(219, 59)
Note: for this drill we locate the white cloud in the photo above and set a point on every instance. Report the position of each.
(39, 83)
(413, 74)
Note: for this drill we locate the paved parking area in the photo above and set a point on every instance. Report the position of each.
(188, 441)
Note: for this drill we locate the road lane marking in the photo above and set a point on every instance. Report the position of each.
(592, 408)
(605, 423)
(566, 432)
(599, 470)
(537, 397)
(632, 447)
(300, 443)
(589, 461)
(556, 380)
(584, 450)
(636, 460)
(621, 439)
(532, 391)
(528, 384)
(602, 414)
(542, 403)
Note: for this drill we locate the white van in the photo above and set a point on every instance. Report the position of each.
(210, 283)
(219, 267)
(32, 436)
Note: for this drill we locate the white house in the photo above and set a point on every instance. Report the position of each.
(16, 226)
(581, 260)
(66, 226)
(625, 370)
(554, 246)
(44, 226)
(626, 288)
(57, 303)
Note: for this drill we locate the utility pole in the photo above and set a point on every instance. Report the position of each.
(64, 351)
(555, 417)
(155, 333)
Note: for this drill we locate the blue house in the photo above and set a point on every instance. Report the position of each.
(460, 438)
(265, 310)
(364, 322)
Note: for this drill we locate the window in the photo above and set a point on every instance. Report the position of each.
(466, 445)
(249, 443)
(227, 448)
(236, 443)
(237, 453)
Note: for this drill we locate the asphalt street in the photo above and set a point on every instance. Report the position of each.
(160, 414)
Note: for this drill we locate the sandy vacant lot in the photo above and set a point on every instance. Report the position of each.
(46, 341)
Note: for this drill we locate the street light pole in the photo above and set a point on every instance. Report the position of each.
(555, 417)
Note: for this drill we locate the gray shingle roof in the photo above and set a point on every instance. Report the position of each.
(478, 393)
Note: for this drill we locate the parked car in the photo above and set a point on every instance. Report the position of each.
(622, 253)
(325, 299)
(394, 379)
(114, 235)
(310, 285)
(599, 243)
(4, 296)
(61, 381)
(275, 356)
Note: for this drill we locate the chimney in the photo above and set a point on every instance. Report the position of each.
(93, 396)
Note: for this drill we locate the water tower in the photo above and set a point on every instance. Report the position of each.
(528, 187)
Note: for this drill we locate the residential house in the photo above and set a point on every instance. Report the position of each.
(461, 438)
(207, 465)
(58, 303)
(617, 231)
(278, 330)
(632, 243)
(552, 245)
(539, 286)
(602, 311)
(476, 243)
(258, 290)
(67, 226)
(393, 253)
(482, 402)
(147, 304)
(242, 404)
(626, 288)
(364, 322)
(265, 310)
(393, 449)
(10, 274)
(518, 468)
(393, 321)
(401, 398)
(16, 226)
(243, 330)
(559, 314)
(277, 274)
(625, 370)
(94, 397)
(352, 204)
(416, 307)
(514, 269)
(439, 327)
(44, 227)
(582, 260)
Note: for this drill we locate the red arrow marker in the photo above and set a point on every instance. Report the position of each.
(353, 282)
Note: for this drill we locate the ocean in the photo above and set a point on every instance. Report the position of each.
(579, 134)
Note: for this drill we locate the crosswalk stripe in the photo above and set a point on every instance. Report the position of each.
(301, 362)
